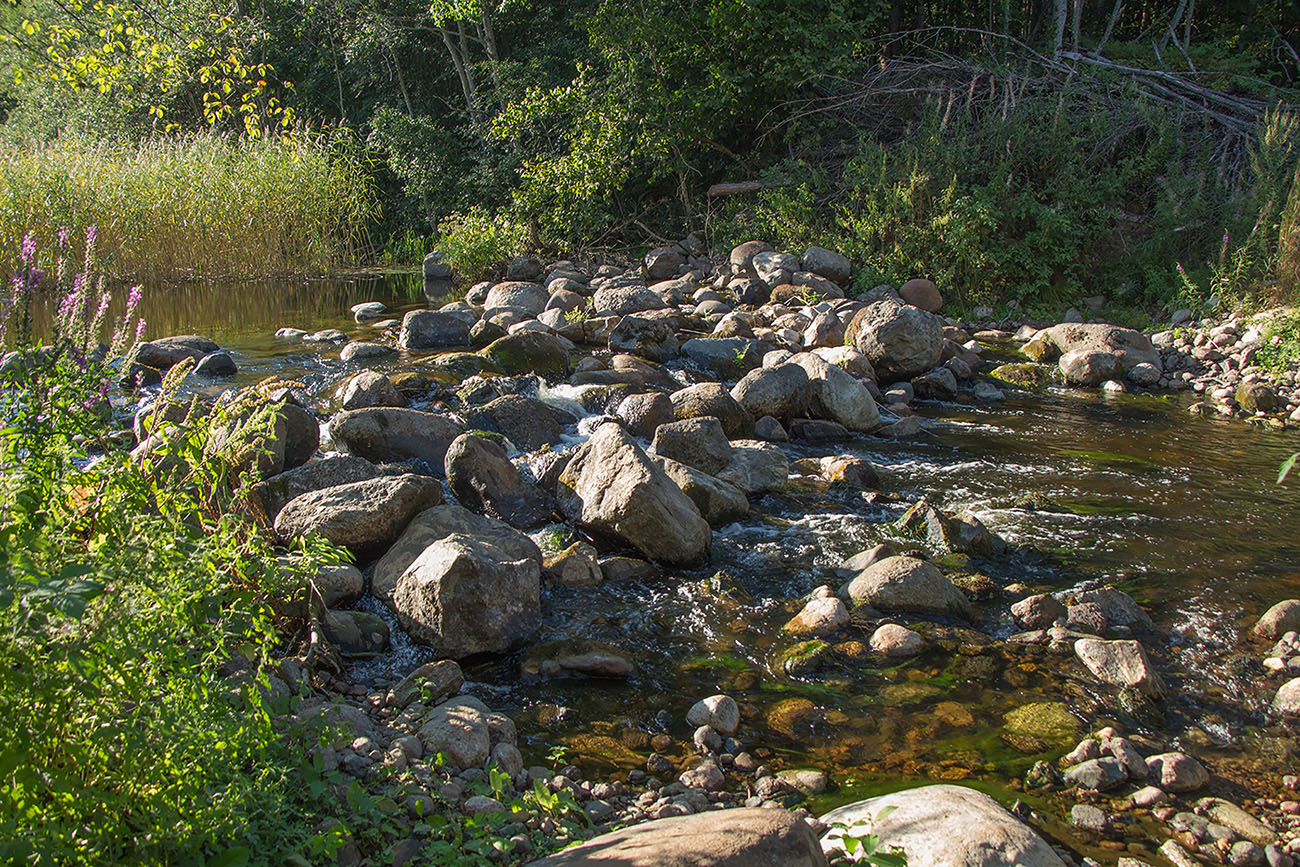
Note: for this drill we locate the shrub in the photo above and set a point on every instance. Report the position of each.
(475, 241)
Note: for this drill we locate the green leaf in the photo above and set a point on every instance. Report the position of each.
(1287, 466)
(235, 856)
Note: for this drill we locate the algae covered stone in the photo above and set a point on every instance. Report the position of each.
(1045, 720)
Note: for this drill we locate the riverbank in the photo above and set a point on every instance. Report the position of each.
(653, 437)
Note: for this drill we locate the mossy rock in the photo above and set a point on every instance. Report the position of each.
(908, 693)
(1022, 375)
(530, 352)
(977, 585)
(1041, 349)
(1048, 721)
(457, 366)
(804, 657)
(603, 751)
(794, 717)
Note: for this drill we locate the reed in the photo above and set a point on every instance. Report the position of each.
(194, 206)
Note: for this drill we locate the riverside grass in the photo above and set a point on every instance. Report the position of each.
(205, 205)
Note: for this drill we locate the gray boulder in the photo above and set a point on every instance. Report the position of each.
(713, 399)
(1131, 347)
(484, 479)
(433, 329)
(945, 826)
(458, 729)
(522, 295)
(1090, 367)
(530, 352)
(719, 502)
(611, 487)
(696, 442)
(756, 467)
(624, 300)
(900, 341)
(393, 434)
(271, 495)
(1120, 663)
(828, 264)
(781, 391)
(747, 837)
(369, 388)
(837, 395)
(1282, 618)
(662, 263)
(464, 595)
(908, 584)
(433, 525)
(365, 516)
(527, 422)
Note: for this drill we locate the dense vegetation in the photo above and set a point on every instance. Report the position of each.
(1016, 152)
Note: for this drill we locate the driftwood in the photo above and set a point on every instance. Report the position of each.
(734, 188)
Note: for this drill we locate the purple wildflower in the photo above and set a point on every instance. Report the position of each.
(62, 237)
(27, 252)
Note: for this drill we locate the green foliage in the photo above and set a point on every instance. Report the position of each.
(168, 209)
(860, 845)
(475, 242)
(1279, 352)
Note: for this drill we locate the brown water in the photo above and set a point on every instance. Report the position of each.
(1182, 512)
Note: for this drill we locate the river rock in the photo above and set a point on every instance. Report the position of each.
(720, 503)
(364, 516)
(908, 584)
(1039, 611)
(1231, 816)
(827, 263)
(611, 487)
(527, 422)
(458, 729)
(355, 633)
(756, 467)
(945, 826)
(431, 683)
(1130, 347)
(920, 292)
(643, 413)
(819, 617)
(575, 657)
(1096, 775)
(900, 340)
(697, 442)
(1090, 367)
(662, 263)
(464, 595)
(713, 399)
(361, 350)
(1287, 699)
(896, 642)
(1282, 618)
(724, 357)
(625, 300)
(530, 352)
(1120, 663)
(435, 524)
(1117, 607)
(521, 295)
(781, 391)
(433, 329)
(719, 712)
(576, 566)
(647, 336)
(484, 479)
(167, 352)
(385, 434)
(369, 388)
(837, 395)
(272, 494)
(745, 837)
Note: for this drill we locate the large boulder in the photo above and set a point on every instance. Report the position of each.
(713, 399)
(781, 391)
(827, 263)
(458, 729)
(365, 516)
(464, 595)
(1121, 663)
(522, 295)
(433, 329)
(837, 395)
(900, 340)
(648, 336)
(696, 442)
(394, 434)
(527, 422)
(727, 357)
(484, 479)
(719, 502)
(613, 488)
(623, 300)
(1282, 618)
(1129, 346)
(746, 837)
(435, 524)
(661, 263)
(756, 467)
(945, 826)
(907, 584)
(167, 352)
(530, 352)
(272, 495)
(370, 388)
(1090, 367)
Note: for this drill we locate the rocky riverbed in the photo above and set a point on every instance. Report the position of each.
(549, 483)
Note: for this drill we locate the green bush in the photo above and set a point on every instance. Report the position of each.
(475, 242)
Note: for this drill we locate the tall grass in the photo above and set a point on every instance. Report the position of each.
(193, 206)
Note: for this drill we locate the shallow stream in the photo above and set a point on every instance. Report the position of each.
(1180, 511)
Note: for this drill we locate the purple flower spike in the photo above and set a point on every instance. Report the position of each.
(62, 236)
(27, 253)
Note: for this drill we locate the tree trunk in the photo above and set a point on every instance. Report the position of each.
(1077, 23)
(458, 62)
(1060, 8)
(1110, 25)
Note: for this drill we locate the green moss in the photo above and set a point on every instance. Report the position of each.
(804, 657)
(1022, 374)
(1047, 720)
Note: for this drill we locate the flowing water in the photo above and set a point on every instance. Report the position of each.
(1182, 512)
